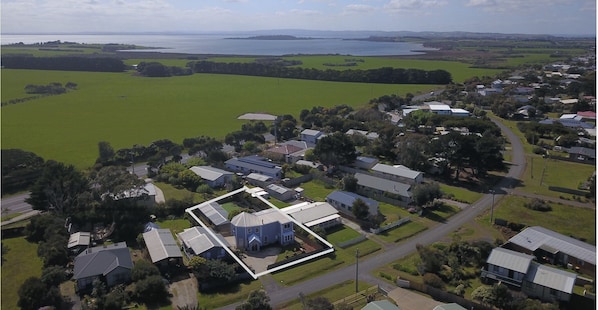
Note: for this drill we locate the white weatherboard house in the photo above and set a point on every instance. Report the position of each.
(535, 280)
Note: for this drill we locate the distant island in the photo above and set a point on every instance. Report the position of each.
(273, 37)
(376, 39)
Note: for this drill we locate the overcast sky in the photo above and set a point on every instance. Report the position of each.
(575, 17)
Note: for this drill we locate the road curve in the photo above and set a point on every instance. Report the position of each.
(281, 295)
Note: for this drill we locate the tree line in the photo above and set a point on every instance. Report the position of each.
(66, 63)
(386, 75)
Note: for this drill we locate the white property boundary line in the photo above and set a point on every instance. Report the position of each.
(237, 259)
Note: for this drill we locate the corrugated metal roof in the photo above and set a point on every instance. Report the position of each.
(384, 185)
(214, 212)
(209, 173)
(311, 212)
(551, 277)
(451, 306)
(509, 259)
(398, 170)
(198, 239)
(534, 237)
(161, 245)
(349, 198)
(79, 238)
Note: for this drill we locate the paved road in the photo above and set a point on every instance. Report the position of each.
(280, 295)
(15, 204)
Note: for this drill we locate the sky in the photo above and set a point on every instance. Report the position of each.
(561, 17)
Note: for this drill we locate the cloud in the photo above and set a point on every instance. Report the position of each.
(358, 8)
(413, 5)
(298, 12)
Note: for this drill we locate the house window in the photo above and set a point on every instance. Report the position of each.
(257, 230)
(287, 225)
(248, 230)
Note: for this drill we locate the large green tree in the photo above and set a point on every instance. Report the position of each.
(257, 300)
(59, 189)
(335, 149)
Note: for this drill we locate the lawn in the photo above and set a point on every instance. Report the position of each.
(340, 258)
(21, 263)
(124, 109)
(228, 295)
(577, 222)
(460, 193)
(317, 190)
(176, 226)
(403, 232)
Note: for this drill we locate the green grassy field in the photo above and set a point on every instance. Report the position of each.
(21, 263)
(125, 110)
(567, 220)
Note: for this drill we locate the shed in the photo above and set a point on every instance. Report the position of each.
(162, 248)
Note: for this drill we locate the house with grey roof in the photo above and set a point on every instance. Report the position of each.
(364, 162)
(521, 271)
(554, 248)
(198, 241)
(507, 266)
(78, 242)
(111, 264)
(260, 180)
(252, 231)
(343, 201)
(384, 189)
(214, 177)
(548, 283)
(162, 247)
(280, 192)
(582, 154)
(398, 173)
(451, 306)
(311, 136)
(312, 214)
(254, 163)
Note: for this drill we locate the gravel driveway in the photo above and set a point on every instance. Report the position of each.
(184, 292)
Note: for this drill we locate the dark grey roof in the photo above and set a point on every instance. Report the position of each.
(101, 260)
(161, 245)
(255, 163)
(551, 277)
(535, 237)
(214, 212)
(591, 153)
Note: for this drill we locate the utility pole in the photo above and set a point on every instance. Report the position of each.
(492, 206)
(356, 271)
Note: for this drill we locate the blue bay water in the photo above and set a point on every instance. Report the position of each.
(223, 45)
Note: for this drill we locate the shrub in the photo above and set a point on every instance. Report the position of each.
(433, 280)
(538, 205)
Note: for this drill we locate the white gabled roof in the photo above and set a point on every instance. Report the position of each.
(307, 212)
(209, 173)
(535, 237)
(510, 259)
(551, 277)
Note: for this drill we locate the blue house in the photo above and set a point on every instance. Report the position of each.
(197, 241)
(254, 163)
(343, 201)
(255, 230)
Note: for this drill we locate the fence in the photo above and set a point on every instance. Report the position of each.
(357, 297)
(390, 226)
(351, 242)
(442, 296)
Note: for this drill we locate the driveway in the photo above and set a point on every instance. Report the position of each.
(184, 292)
